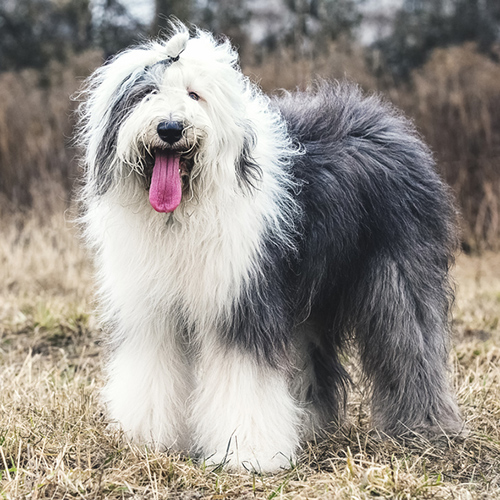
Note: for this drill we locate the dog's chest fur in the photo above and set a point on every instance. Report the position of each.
(199, 261)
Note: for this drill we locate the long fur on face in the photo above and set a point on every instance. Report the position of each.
(305, 222)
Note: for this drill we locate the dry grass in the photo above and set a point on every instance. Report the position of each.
(53, 437)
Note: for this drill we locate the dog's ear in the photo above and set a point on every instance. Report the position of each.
(111, 94)
(127, 96)
(248, 170)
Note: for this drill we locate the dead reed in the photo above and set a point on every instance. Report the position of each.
(455, 101)
(36, 128)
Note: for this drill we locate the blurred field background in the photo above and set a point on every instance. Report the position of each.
(439, 60)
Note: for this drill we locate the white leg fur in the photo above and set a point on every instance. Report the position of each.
(243, 414)
(148, 384)
(148, 373)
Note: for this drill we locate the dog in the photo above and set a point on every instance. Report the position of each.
(243, 242)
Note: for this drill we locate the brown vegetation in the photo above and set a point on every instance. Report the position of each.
(36, 127)
(455, 101)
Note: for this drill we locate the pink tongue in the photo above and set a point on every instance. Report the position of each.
(165, 192)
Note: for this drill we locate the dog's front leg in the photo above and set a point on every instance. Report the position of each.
(148, 383)
(243, 414)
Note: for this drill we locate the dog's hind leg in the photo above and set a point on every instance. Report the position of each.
(243, 414)
(319, 381)
(403, 338)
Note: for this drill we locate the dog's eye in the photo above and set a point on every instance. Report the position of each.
(194, 96)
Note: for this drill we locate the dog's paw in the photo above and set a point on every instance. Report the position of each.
(247, 461)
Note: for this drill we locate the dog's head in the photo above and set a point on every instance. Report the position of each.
(172, 116)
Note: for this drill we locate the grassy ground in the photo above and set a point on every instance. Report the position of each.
(53, 437)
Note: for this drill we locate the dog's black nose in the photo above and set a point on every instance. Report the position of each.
(170, 132)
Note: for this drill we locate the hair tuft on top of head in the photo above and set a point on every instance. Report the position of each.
(179, 36)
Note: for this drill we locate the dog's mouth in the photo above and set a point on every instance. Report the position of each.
(167, 173)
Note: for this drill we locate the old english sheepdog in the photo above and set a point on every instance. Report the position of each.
(243, 242)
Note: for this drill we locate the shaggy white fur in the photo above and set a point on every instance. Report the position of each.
(166, 280)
